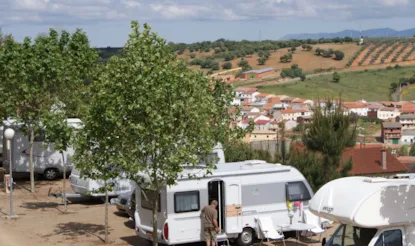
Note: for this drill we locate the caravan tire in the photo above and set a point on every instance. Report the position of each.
(50, 174)
(246, 238)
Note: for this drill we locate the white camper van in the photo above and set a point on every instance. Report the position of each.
(371, 211)
(46, 160)
(244, 190)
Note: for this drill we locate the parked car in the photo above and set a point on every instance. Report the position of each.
(131, 207)
(122, 202)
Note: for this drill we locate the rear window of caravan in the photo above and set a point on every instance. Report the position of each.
(147, 199)
(297, 191)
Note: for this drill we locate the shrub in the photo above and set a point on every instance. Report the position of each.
(227, 65)
(192, 55)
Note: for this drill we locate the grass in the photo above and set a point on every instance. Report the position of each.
(371, 85)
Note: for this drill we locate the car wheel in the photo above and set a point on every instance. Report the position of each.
(50, 174)
(245, 238)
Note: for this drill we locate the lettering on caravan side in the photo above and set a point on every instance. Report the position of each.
(328, 209)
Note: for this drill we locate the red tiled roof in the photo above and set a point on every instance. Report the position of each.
(268, 106)
(261, 122)
(274, 100)
(354, 105)
(299, 100)
(389, 109)
(368, 160)
(263, 95)
(408, 108)
(247, 108)
(246, 89)
(288, 99)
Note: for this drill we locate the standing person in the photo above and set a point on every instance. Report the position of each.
(210, 221)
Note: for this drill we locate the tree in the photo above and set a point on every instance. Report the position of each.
(336, 77)
(158, 114)
(318, 51)
(292, 49)
(227, 65)
(403, 151)
(286, 58)
(339, 55)
(262, 60)
(245, 65)
(50, 71)
(330, 132)
(192, 55)
(412, 150)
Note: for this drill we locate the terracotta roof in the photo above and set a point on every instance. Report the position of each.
(261, 122)
(274, 100)
(247, 108)
(408, 108)
(288, 99)
(291, 111)
(368, 160)
(263, 95)
(354, 105)
(254, 114)
(374, 106)
(299, 100)
(390, 109)
(268, 106)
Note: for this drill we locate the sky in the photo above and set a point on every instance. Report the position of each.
(107, 22)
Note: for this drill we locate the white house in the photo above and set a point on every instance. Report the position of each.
(262, 125)
(407, 121)
(358, 108)
(248, 96)
(387, 113)
(302, 101)
(293, 114)
(290, 124)
(248, 109)
(408, 136)
(262, 117)
(243, 124)
(263, 97)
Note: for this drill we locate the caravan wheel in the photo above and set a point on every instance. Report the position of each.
(50, 174)
(246, 237)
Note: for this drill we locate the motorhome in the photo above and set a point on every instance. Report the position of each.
(47, 160)
(88, 187)
(371, 211)
(244, 191)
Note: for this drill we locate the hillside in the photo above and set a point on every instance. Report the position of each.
(372, 85)
(372, 33)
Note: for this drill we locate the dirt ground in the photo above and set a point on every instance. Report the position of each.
(42, 222)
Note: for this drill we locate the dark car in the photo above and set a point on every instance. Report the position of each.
(131, 208)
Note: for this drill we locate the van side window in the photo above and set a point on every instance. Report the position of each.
(297, 191)
(147, 199)
(390, 238)
(186, 201)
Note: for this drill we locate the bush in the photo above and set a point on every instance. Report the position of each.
(192, 55)
(339, 55)
(336, 77)
(227, 65)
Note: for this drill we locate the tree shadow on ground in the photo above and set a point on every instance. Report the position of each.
(75, 229)
(39, 205)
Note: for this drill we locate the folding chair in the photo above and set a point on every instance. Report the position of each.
(268, 231)
(310, 218)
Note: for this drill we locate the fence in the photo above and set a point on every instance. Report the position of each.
(271, 146)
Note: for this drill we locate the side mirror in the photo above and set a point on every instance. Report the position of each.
(323, 242)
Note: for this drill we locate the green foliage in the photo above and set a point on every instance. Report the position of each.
(192, 55)
(339, 55)
(412, 150)
(302, 77)
(227, 65)
(336, 77)
(293, 72)
(240, 151)
(307, 47)
(286, 58)
(152, 115)
(330, 132)
(52, 70)
(245, 65)
(261, 60)
(292, 49)
(403, 151)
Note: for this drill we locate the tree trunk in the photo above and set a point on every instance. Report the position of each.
(31, 168)
(155, 213)
(64, 181)
(106, 212)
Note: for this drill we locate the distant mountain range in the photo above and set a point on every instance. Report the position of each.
(372, 33)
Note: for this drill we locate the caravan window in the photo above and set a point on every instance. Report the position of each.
(186, 201)
(390, 238)
(297, 191)
(347, 235)
(147, 200)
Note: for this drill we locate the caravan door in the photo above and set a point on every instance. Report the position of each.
(233, 202)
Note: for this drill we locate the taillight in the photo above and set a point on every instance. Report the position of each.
(166, 231)
(137, 229)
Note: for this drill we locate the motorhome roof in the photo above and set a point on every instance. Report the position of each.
(74, 122)
(366, 202)
(237, 168)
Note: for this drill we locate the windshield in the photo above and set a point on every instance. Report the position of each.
(347, 235)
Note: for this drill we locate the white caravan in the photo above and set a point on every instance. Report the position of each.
(371, 211)
(46, 160)
(89, 187)
(244, 190)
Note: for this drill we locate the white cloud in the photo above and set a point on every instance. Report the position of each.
(81, 11)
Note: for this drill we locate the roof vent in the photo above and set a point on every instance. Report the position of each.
(253, 164)
(375, 180)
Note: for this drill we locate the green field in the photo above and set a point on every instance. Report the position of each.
(371, 85)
